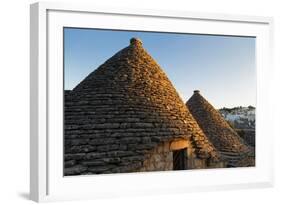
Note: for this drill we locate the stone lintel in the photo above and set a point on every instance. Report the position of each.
(178, 144)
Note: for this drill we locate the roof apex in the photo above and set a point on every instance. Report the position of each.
(135, 42)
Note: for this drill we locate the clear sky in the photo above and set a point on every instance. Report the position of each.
(222, 67)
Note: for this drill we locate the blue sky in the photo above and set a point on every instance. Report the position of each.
(221, 67)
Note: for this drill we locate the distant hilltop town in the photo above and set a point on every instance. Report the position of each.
(240, 117)
(243, 120)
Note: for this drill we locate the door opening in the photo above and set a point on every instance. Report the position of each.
(180, 159)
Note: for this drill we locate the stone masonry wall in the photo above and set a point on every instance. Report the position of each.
(161, 159)
(248, 135)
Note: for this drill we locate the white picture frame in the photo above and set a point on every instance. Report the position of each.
(46, 177)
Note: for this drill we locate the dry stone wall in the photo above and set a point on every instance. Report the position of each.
(249, 135)
(160, 159)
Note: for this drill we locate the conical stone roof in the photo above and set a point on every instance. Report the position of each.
(123, 109)
(224, 138)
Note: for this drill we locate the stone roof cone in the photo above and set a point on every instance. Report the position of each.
(122, 110)
(224, 138)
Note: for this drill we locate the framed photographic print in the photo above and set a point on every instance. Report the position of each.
(127, 102)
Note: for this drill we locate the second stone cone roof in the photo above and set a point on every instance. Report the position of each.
(219, 132)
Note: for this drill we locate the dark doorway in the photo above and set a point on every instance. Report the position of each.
(180, 159)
